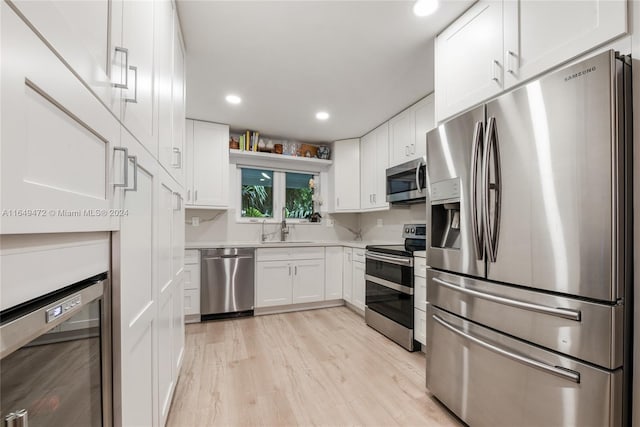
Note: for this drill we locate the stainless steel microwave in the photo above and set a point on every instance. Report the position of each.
(406, 183)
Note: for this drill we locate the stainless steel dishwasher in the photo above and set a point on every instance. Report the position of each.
(226, 283)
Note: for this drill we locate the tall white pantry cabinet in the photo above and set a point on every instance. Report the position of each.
(92, 140)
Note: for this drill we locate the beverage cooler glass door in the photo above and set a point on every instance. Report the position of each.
(57, 377)
(454, 159)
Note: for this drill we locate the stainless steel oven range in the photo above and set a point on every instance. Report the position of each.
(389, 286)
(55, 358)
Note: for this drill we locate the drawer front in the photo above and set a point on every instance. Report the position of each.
(420, 293)
(358, 255)
(489, 379)
(581, 329)
(420, 326)
(191, 256)
(191, 301)
(420, 266)
(289, 253)
(192, 276)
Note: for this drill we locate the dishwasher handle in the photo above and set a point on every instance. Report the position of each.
(205, 258)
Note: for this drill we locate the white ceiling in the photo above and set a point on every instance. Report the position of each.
(361, 61)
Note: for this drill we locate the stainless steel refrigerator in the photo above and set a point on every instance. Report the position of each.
(529, 294)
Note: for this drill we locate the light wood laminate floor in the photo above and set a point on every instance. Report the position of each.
(316, 367)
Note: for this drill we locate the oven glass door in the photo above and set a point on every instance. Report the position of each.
(57, 376)
(391, 303)
(396, 273)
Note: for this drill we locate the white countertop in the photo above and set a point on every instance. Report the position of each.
(347, 243)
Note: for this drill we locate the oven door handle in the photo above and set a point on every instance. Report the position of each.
(387, 284)
(390, 259)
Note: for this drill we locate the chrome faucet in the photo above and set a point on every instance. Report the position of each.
(284, 230)
(263, 236)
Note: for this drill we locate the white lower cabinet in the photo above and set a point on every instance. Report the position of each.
(308, 281)
(273, 283)
(358, 298)
(420, 300)
(333, 273)
(347, 275)
(191, 285)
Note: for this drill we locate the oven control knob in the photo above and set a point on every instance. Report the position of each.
(406, 230)
(413, 230)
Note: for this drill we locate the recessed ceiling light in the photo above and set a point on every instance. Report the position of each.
(233, 99)
(425, 7)
(322, 115)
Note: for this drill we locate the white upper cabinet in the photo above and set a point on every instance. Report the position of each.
(163, 81)
(496, 45)
(570, 28)
(178, 102)
(207, 165)
(57, 141)
(137, 112)
(374, 160)
(407, 131)
(345, 176)
(469, 54)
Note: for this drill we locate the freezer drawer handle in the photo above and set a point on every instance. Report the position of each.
(552, 311)
(558, 371)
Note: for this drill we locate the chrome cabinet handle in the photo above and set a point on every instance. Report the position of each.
(178, 164)
(375, 198)
(491, 148)
(179, 200)
(476, 229)
(135, 173)
(564, 313)
(295, 270)
(418, 176)
(338, 202)
(125, 184)
(133, 100)
(195, 195)
(289, 270)
(495, 72)
(125, 52)
(188, 195)
(510, 57)
(563, 373)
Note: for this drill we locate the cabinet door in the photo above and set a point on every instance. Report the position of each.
(308, 281)
(138, 99)
(345, 173)
(333, 273)
(178, 329)
(570, 29)
(178, 96)
(358, 285)
(468, 56)
(347, 275)
(367, 170)
(380, 168)
(189, 161)
(57, 141)
(211, 164)
(273, 283)
(424, 113)
(192, 277)
(135, 292)
(420, 326)
(191, 302)
(402, 137)
(163, 80)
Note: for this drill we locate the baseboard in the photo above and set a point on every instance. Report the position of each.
(354, 308)
(297, 307)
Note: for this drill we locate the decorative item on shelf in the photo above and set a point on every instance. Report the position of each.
(269, 146)
(314, 217)
(291, 148)
(307, 150)
(262, 147)
(277, 148)
(234, 143)
(324, 152)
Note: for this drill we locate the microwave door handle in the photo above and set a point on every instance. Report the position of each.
(418, 168)
(476, 228)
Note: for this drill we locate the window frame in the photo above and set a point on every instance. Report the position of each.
(279, 195)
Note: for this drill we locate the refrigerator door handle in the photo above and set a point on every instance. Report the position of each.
(558, 371)
(564, 313)
(476, 228)
(491, 151)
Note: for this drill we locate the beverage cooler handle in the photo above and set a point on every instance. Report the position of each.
(491, 150)
(475, 156)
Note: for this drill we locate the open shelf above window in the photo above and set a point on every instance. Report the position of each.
(280, 161)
